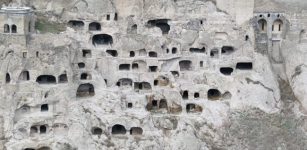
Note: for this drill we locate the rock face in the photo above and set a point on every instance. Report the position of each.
(144, 74)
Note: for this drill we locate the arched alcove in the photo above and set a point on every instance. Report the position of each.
(277, 26)
(7, 78)
(262, 24)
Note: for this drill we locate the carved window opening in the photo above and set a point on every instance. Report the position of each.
(124, 67)
(86, 53)
(244, 66)
(81, 65)
(136, 131)
(153, 54)
(132, 54)
(86, 76)
(7, 78)
(43, 129)
(153, 68)
(185, 94)
(44, 107)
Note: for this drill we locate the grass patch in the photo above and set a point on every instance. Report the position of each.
(44, 26)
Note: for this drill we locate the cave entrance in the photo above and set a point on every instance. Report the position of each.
(46, 79)
(213, 94)
(102, 39)
(160, 23)
(118, 129)
(185, 65)
(85, 90)
(94, 26)
(76, 24)
(136, 131)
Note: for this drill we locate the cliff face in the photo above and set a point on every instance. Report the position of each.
(144, 74)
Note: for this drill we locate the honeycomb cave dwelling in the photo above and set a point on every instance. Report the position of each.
(153, 75)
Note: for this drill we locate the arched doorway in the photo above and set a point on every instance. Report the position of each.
(14, 28)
